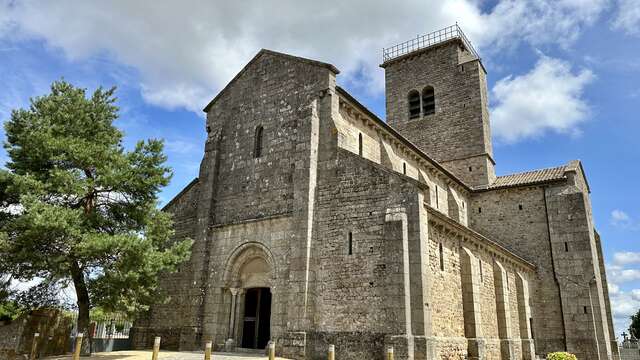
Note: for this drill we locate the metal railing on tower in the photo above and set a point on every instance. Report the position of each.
(424, 41)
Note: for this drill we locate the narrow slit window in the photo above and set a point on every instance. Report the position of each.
(428, 101)
(531, 328)
(350, 243)
(360, 144)
(414, 104)
(404, 168)
(566, 247)
(470, 169)
(257, 145)
(479, 210)
(585, 309)
(480, 267)
(437, 198)
(441, 250)
(520, 207)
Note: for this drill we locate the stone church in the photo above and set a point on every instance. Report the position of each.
(315, 222)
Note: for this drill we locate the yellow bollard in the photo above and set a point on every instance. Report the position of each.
(207, 350)
(390, 353)
(272, 351)
(34, 346)
(76, 351)
(332, 352)
(156, 348)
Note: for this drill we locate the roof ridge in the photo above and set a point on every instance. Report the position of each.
(534, 171)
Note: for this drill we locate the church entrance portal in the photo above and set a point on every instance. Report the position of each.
(257, 318)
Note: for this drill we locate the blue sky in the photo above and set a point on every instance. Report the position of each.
(564, 78)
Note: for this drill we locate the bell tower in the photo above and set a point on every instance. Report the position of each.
(436, 96)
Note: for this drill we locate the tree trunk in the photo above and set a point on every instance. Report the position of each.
(83, 306)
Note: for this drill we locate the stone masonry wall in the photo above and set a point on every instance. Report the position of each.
(376, 148)
(357, 292)
(497, 215)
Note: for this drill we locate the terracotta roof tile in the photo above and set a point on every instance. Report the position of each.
(530, 177)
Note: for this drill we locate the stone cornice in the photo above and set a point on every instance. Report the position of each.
(478, 240)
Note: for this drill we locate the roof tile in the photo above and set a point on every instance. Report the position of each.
(530, 177)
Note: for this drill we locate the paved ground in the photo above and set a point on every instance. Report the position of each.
(164, 355)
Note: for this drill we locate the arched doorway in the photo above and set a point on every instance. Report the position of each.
(249, 276)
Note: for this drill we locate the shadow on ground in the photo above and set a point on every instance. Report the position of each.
(164, 355)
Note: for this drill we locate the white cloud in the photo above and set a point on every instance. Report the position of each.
(621, 219)
(617, 274)
(628, 17)
(613, 289)
(186, 51)
(623, 305)
(619, 216)
(181, 147)
(548, 98)
(626, 257)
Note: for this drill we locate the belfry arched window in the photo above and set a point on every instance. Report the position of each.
(257, 142)
(414, 104)
(428, 101)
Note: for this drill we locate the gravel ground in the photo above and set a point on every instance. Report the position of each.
(164, 355)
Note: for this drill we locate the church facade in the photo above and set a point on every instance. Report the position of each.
(315, 222)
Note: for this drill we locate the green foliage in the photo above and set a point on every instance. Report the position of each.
(10, 310)
(561, 356)
(79, 208)
(98, 314)
(634, 328)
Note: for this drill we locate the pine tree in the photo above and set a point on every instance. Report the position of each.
(79, 209)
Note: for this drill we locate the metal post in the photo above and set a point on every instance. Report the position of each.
(76, 351)
(34, 346)
(272, 351)
(332, 352)
(207, 350)
(156, 348)
(390, 353)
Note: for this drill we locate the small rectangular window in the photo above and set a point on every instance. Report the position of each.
(437, 199)
(520, 207)
(479, 210)
(585, 310)
(566, 247)
(480, 267)
(404, 168)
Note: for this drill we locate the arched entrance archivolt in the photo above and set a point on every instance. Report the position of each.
(249, 276)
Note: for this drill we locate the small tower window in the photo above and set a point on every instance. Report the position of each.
(350, 239)
(360, 144)
(428, 101)
(479, 210)
(404, 168)
(257, 145)
(480, 267)
(437, 197)
(566, 247)
(414, 104)
(441, 250)
(585, 310)
(520, 207)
